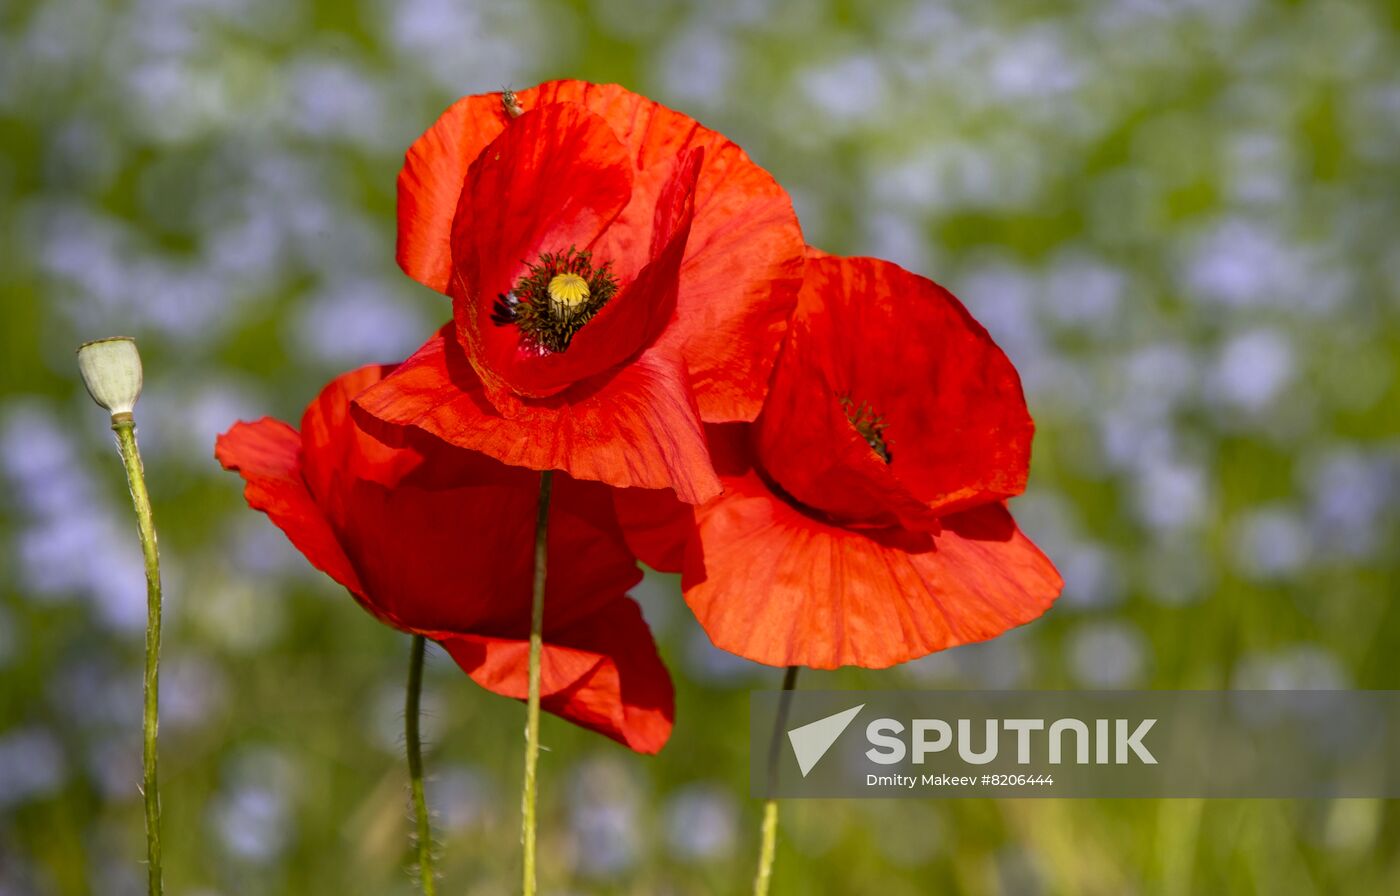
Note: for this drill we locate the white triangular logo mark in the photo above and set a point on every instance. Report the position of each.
(811, 741)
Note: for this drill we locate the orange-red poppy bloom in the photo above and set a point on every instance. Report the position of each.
(863, 518)
(438, 541)
(618, 274)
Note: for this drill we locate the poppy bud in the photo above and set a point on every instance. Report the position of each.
(112, 372)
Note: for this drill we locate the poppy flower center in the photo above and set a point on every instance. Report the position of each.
(566, 293)
(869, 424)
(557, 295)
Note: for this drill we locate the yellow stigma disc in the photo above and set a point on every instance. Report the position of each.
(568, 290)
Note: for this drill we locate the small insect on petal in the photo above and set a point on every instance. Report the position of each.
(511, 103)
(504, 309)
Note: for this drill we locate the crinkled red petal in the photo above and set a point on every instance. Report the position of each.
(438, 541)
(954, 417)
(636, 428)
(743, 260)
(779, 587)
(602, 672)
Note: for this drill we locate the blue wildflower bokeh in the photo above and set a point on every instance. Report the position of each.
(1178, 218)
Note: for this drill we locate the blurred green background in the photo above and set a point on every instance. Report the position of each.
(1179, 218)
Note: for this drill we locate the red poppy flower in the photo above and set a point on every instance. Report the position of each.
(862, 521)
(618, 274)
(438, 541)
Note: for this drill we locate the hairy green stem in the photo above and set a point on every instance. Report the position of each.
(125, 428)
(529, 790)
(768, 843)
(426, 874)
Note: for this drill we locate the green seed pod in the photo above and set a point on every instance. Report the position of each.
(112, 372)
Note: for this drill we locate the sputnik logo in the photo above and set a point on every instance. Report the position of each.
(811, 741)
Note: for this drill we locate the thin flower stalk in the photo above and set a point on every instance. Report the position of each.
(424, 835)
(768, 836)
(529, 792)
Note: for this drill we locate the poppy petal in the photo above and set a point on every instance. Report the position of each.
(899, 354)
(431, 181)
(267, 454)
(633, 318)
(439, 541)
(778, 587)
(636, 428)
(336, 452)
(602, 672)
(551, 182)
(656, 526)
(743, 264)
(743, 261)
(462, 559)
(824, 461)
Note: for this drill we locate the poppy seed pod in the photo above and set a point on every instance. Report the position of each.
(111, 371)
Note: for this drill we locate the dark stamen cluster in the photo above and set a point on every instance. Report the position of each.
(869, 424)
(544, 324)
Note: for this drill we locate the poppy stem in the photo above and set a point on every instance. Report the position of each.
(426, 874)
(125, 427)
(768, 843)
(529, 790)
